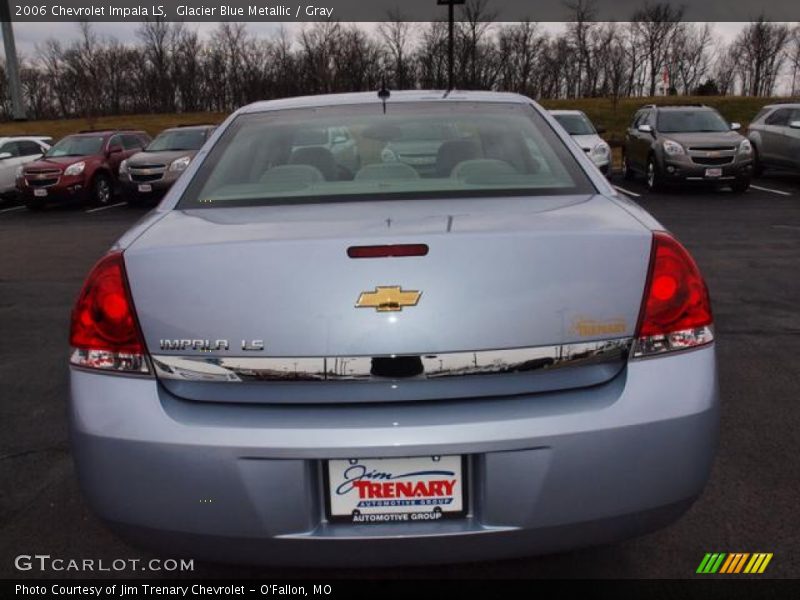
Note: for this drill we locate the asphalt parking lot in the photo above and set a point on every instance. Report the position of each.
(747, 245)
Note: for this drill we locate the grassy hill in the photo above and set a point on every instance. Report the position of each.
(602, 111)
(151, 123)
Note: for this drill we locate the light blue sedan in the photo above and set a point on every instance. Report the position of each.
(292, 362)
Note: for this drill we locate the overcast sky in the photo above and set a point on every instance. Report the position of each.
(27, 35)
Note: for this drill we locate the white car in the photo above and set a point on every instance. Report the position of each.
(586, 135)
(15, 152)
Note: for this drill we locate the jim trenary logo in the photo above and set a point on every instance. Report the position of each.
(734, 563)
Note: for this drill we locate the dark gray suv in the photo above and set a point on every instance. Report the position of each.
(686, 144)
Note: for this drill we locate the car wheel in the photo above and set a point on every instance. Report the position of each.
(101, 190)
(627, 173)
(654, 182)
(741, 185)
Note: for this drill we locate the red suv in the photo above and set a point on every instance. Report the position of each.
(83, 167)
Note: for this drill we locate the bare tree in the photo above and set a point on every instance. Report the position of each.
(793, 55)
(690, 55)
(656, 25)
(580, 30)
(396, 36)
(761, 47)
(477, 65)
(521, 46)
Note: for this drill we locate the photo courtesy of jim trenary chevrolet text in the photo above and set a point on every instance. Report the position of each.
(345, 299)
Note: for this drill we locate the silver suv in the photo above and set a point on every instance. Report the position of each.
(775, 135)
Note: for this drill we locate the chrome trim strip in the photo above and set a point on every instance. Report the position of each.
(359, 368)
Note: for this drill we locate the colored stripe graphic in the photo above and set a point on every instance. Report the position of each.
(734, 563)
(703, 563)
(722, 563)
(729, 564)
(711, 563)
(758, 563)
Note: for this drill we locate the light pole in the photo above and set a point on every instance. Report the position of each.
(17, 108)
(450, 37)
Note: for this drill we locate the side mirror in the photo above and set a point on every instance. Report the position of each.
(339, 139)
(4, 155)
(114, 149)
(795, 124)
(645, 128)
(736, 126)
(600, 130)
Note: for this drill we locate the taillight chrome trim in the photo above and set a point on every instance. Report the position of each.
(358, 368)
(676, 341)
(120, 363)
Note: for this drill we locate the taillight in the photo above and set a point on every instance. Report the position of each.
(105, 333)
(676, 310)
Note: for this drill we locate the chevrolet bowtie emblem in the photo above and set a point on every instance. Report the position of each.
(388, 298)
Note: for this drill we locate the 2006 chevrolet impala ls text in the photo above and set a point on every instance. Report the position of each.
(472, 350)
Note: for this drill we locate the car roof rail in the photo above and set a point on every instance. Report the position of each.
(193, 125)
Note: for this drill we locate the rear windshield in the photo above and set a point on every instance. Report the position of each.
(576, 124)
(685, 121)
(413, 150)
(187, 139)
(79, 145)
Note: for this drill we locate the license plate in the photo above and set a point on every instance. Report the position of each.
(713, 172)
(145, 187)
(40, 192)
(396, 490)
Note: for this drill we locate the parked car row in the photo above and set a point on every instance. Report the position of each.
(687, 144)
(678, 145)
(94, 166)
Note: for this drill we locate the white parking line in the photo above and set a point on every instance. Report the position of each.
(770, 190)
(12, 208)
(99, 208)
(627, 192)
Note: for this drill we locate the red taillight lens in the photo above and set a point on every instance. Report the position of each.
(676, 311)
(104, 332)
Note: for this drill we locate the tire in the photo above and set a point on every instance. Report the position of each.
(741, 185)
(102, 190)
(654, 178)
(627, 173)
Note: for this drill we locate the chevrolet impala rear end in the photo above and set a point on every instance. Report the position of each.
(291, 362)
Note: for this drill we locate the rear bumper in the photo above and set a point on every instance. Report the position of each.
(547, 472)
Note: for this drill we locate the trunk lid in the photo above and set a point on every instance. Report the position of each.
(501, 273)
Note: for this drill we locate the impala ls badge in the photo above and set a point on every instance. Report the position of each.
(388, 298)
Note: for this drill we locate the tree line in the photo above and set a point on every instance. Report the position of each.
(172, 68)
